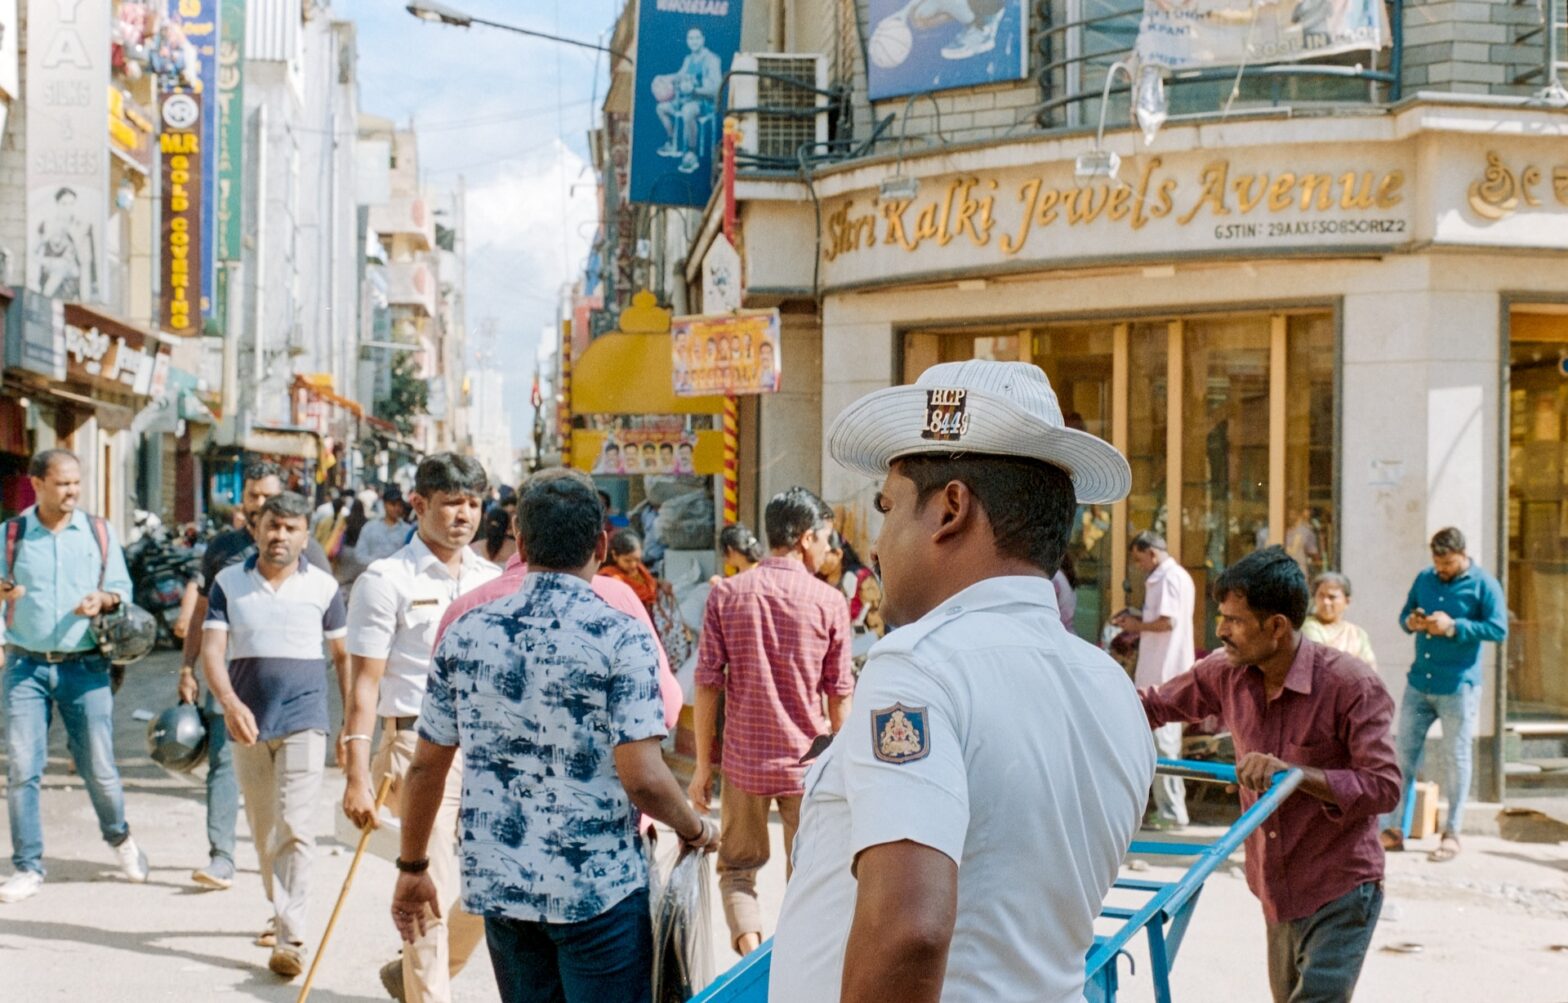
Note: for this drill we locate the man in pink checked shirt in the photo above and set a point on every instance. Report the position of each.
(618, 594)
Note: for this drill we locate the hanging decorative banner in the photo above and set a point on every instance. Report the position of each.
(179, 306)
(1188, 34)
(684, 48)
(67, 149)
(726, 353)
(228, 208)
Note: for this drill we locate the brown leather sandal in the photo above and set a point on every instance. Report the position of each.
(1393, 841)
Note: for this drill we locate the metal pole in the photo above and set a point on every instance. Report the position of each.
(731, 405)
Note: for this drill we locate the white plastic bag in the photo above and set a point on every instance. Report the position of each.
(682, 950)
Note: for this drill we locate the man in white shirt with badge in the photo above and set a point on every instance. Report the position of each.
(958, 837)
(1165, 651)
(393, 614)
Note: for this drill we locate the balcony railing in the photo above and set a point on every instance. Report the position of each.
(1076, 41)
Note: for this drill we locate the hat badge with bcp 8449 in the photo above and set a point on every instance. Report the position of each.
(977, 407)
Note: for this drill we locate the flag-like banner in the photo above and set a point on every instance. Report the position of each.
(1189, 34)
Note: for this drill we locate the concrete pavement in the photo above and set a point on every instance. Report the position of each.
(1490, 925)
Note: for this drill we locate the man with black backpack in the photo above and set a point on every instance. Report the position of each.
(61, 568)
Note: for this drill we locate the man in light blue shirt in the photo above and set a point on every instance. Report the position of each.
(1453, 607)
(50, 586)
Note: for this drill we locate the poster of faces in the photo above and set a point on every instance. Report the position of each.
(632, 451)
(726, 354)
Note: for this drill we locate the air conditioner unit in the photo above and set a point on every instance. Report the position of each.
(781, 101)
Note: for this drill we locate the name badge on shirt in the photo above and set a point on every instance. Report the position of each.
(424, 602)
(899, 734)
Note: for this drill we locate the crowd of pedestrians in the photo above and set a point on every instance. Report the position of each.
(501, 659)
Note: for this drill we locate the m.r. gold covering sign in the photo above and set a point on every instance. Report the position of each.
(179, 305)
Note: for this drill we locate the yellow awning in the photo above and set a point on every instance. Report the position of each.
(623, 373)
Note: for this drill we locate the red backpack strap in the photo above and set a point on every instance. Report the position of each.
(13, 543)
(101, 534)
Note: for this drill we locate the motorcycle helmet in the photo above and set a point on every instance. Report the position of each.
(125, 634)
(177, 738)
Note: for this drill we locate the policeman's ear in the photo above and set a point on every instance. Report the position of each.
(955, 509)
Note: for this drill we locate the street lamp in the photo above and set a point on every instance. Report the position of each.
(429, 10)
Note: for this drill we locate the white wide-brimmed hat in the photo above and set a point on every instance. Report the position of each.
(982, 407)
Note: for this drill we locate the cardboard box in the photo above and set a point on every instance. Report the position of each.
(1425, 822)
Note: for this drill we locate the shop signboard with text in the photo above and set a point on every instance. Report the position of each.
(733, 353)
(67, 149)
(1201, 33)
(684, 48)
(35, 335)
(180, 250)
(124, 363)
(917, 46)
(1248, 201)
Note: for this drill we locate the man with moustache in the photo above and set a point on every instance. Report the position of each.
(958, 837)
(1316, 864)
(262, 482)
(267, 620)
(393, 614)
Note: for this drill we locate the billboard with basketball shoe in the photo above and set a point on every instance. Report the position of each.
(932, 45)
(684, 48)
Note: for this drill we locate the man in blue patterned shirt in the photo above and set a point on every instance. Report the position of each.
(553, 697)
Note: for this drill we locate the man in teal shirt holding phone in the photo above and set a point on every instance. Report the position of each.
(1452, 608)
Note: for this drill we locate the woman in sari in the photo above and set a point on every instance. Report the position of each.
(625, 563)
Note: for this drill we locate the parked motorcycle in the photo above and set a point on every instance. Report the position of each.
(159, 568)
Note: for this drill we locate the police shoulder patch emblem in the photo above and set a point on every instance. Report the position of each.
(899, 734)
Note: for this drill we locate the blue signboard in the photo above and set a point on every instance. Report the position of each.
(684, 48)
(917, 46)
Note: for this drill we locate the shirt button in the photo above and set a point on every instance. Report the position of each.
(1273, 833)
(954, 610)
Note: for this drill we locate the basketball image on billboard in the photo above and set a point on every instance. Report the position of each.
(930, 45)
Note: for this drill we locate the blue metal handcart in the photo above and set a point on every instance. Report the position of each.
(1163, 917)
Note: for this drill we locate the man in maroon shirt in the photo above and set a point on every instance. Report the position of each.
(775, 643)
(1316, 863)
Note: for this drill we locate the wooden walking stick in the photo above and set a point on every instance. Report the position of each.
(364, 841)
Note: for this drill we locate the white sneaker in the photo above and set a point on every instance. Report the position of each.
(21, 885)
(133, 862)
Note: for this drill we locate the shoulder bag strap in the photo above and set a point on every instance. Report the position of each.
(101, 534)
(13, 543)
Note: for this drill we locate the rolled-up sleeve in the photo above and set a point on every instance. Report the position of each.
(1191, 696)
(711, 654)
(1370, 785)
(372, 616)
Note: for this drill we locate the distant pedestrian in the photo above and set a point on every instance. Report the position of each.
(1165, 651)
(267, 620)
(392, 617)
(60, 568)
(776, 644)
(1327, 624)
(624, 563)
(740, 548)
(387, 535)
(1065, 583)
(1453, 607)
(261, 482)
(1291, 703)
(553, 699)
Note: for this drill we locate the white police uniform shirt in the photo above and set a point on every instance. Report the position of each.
(393, 613)
(986, 731)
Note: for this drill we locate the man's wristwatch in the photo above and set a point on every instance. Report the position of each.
(419, 866)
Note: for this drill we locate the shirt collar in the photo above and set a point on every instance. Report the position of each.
(32, 523)
(556, 579)
(426, 562)
(783, 563)
(255, 558)
(1003, 590)
(1299, 678)
(514, 562)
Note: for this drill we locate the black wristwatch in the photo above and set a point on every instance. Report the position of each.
(419, 866)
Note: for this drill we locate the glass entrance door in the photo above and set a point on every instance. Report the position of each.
(1538, 517)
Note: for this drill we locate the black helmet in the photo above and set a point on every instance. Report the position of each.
(126, 633)
(177, 738)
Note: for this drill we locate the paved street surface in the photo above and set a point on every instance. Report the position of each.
(1486, 925)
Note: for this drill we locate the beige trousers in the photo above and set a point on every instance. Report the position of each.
(744, 848)
(430, 962)
(281, 780)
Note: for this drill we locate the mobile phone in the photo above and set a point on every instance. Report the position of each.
(8, 583)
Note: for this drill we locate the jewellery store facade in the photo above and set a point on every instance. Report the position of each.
(1334, 333)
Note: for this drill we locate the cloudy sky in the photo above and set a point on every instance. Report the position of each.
(508, 115)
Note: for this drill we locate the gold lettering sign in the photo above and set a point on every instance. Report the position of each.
(1499, 193)
(970, 207)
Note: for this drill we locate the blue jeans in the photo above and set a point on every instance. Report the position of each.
(1318, 959)
(607, 958)
(80, 689)
(1459, 712)
(223, 786)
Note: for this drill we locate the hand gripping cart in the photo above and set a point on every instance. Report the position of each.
(1163, 916)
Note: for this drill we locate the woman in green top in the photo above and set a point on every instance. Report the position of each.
(1327, 624)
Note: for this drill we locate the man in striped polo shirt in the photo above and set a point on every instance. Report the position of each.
(268, 617)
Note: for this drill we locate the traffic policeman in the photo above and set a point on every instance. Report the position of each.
(959, 836)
